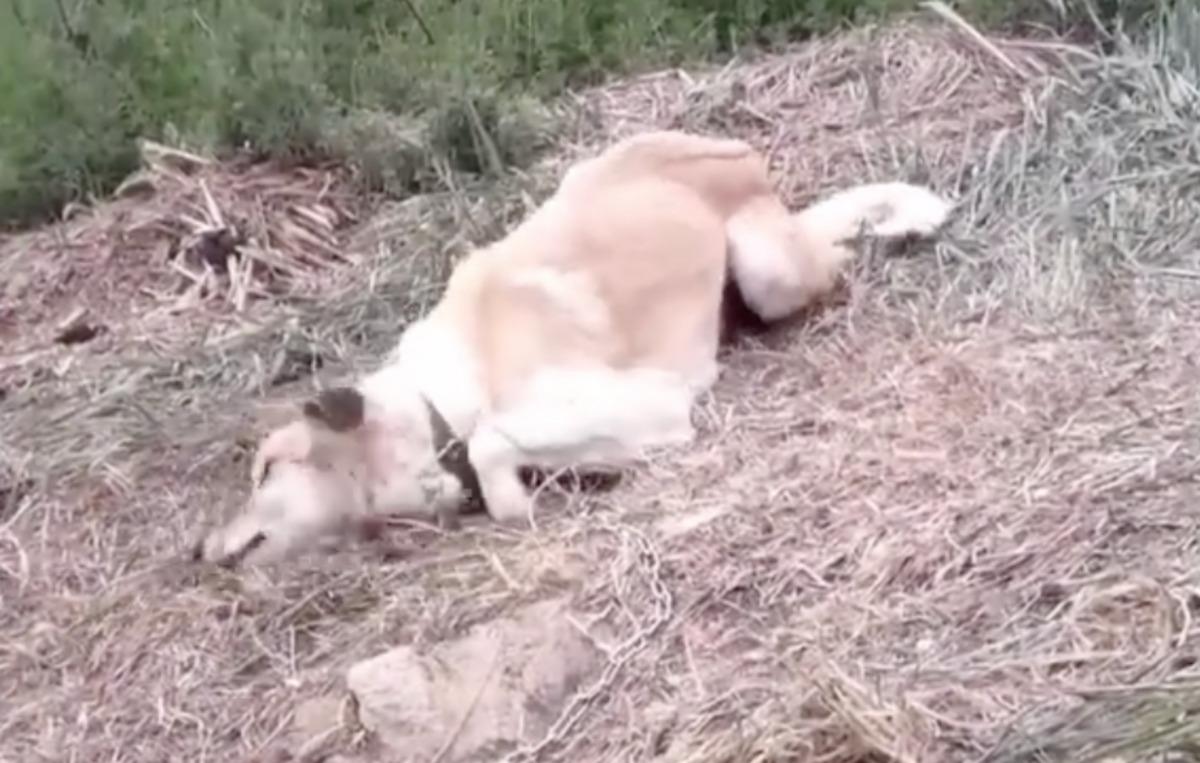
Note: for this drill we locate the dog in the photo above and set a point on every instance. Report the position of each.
(583, 336)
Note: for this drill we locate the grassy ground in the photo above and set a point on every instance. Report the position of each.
(81, 81)
(951, 517)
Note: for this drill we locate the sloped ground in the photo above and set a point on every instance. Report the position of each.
(186, 237)
(950, 517)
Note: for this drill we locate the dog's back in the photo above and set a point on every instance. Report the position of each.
(725, 173)
(624, 266)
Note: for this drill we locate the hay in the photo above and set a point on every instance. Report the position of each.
(821, 112)
(184, 234)
(950, 518)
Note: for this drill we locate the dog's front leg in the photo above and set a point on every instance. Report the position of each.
(593, 416)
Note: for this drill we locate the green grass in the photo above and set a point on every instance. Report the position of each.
(82, 80)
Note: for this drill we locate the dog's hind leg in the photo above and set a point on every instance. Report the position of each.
(781, 261)
(772, 279)
(571, 417)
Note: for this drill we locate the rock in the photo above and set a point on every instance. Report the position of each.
(314, 723)
(502, 684)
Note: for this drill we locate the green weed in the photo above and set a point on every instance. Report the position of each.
(80, 82)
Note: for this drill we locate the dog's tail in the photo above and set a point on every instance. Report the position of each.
(888, 210)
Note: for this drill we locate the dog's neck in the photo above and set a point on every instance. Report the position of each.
(428, 379)
(452, 456)
(441, 366)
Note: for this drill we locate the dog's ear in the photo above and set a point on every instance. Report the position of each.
(339, 409)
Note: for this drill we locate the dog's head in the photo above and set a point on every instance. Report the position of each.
(328, 472)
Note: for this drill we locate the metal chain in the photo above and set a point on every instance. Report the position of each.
(648, 564)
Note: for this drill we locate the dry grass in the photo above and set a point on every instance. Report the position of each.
(184, 237)
(950, 518)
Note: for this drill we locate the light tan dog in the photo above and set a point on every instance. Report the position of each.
(583, 336)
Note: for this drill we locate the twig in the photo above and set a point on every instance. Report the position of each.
(462, 722)
(950, 15)
(16, 11)
(482, 136)
(420, 21)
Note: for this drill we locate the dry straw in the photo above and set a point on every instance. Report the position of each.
(949, 518)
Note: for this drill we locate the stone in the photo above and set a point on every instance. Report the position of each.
(315, 723)
(503, 684)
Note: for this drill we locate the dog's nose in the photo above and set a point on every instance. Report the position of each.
(198, 550)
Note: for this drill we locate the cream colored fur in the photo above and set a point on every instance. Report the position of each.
(583, 336)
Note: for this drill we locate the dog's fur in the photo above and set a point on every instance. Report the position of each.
(583, 336)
